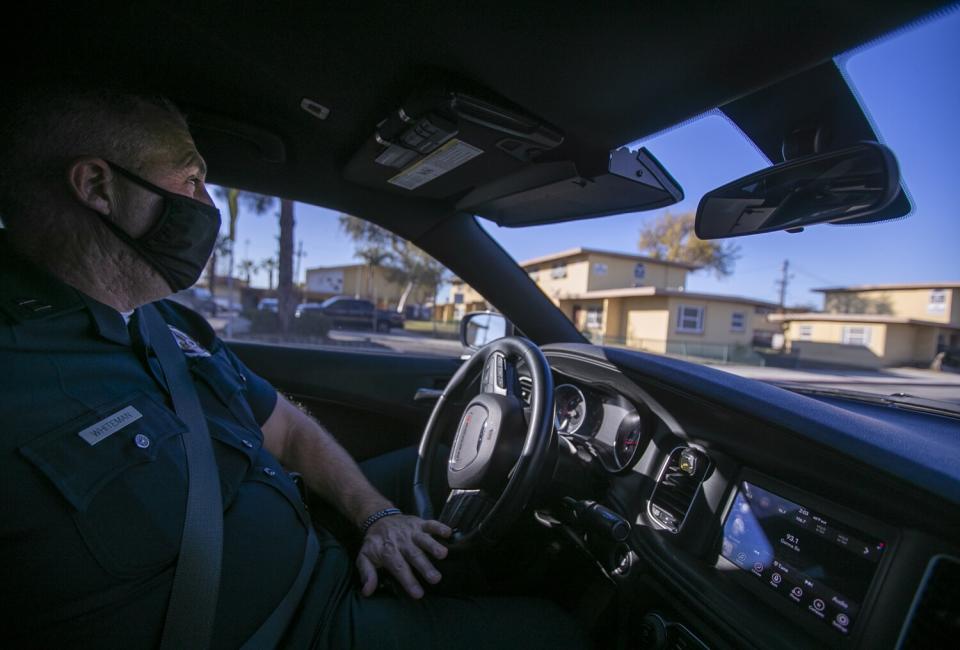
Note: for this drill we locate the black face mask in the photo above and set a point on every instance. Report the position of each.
(179, 244)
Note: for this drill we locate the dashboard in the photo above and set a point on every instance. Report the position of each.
(749, 526)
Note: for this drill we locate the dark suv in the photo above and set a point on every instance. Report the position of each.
(346, 312)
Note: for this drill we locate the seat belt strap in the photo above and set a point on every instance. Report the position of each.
(196, 580)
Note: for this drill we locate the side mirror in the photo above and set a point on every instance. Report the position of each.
(838, 186)
(481, 327)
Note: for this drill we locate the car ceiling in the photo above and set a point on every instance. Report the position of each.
(606, 74)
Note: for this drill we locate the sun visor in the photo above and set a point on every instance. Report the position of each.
(440, 145)
(634, 181)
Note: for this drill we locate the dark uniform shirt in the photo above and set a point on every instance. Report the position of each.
(93, 478)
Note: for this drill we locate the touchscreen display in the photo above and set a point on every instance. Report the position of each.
(821, 565)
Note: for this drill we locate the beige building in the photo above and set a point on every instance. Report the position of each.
(877, 325)
(637, 301)
(355, 280)
(463, 299)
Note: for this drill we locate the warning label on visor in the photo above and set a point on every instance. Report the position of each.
(449, 156)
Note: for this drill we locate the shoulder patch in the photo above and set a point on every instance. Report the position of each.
(189, 347)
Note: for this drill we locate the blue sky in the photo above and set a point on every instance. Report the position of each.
(910, 87)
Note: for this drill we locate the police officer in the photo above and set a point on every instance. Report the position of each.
(105, 210)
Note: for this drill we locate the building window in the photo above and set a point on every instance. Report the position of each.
(938, 301)
(856, 335)
(458, 298)
(690, 319)
(600, 268)
(762, 311)
(594, 318)
(558, 271)
(738, 321)
(806, 332)
(639, 271)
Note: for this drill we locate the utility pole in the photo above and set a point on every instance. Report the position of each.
(783, 282)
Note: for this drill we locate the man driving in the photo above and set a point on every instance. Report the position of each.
(105, 212)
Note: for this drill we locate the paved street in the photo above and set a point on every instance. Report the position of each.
(928, 384)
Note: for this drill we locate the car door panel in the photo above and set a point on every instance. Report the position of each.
(365, 399)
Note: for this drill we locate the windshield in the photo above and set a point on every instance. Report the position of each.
(872, 308)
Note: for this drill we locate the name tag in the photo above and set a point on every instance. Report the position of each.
(110, 425)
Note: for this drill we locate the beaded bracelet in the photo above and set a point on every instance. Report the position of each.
(377, 516)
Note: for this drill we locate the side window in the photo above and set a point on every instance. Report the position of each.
(345, 282)
(938, 301)
(738, 321)
(856, 335)
(558, 271)
(690, 319)
(594, 317)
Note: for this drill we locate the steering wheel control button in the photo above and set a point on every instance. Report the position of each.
(141, 441)
(470, 437)
(269, 471)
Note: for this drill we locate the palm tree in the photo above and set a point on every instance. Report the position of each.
(248, 268)
(223, 246)
(261, 204)
(269, 265)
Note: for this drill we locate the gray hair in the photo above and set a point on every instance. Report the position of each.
(43, 130)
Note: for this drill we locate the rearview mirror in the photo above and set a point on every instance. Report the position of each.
(838, 186)
(481, 327)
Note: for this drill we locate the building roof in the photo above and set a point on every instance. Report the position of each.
(573, 252)
(336, 267)
(640, 292)
(857, 318)
(890, 287)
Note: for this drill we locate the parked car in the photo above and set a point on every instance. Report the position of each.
(267, 304)
(353, 313)
(198, 299)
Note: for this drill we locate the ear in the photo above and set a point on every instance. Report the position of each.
(91, 182)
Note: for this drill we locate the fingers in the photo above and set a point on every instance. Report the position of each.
(368, 574)
(432, 546)
(436, 528)
(400, 545)
(396, 564)
(422, 564)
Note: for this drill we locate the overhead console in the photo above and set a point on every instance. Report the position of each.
(486, 157)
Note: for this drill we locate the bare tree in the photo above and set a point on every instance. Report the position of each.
(403, 262)
(670, 237)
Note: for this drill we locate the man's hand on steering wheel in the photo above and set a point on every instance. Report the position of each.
(402, 545)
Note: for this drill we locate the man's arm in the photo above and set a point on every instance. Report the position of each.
(399, 543)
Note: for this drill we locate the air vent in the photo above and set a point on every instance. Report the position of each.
(935, 616)
(677, 486)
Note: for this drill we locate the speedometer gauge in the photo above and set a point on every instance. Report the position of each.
(570, 408)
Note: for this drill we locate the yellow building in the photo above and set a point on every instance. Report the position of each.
(637, 301)
(463, 299)
(877, 325)
(355, 280)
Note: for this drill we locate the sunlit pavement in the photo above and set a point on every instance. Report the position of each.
(928, 384)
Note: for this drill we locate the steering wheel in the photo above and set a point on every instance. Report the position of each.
(500, 449)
